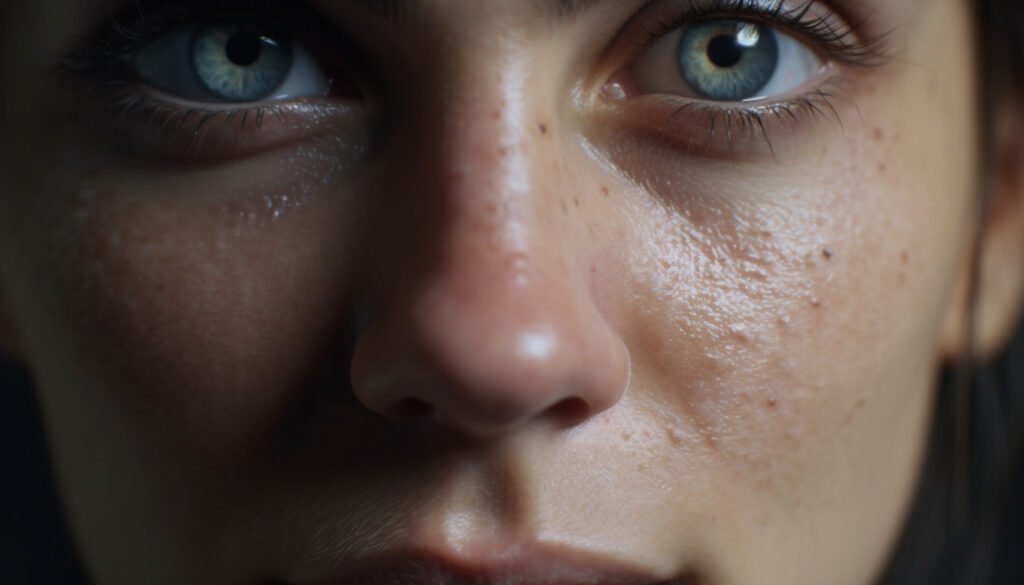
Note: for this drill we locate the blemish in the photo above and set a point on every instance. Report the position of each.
(878, 134)
(827, 253)
(673, 437)
(772, 403)
(882, 167)
(816, 302)
(543, 128)
(605, 190)
(739, 333)
(576, 201)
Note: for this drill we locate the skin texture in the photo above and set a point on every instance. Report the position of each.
(493, 307)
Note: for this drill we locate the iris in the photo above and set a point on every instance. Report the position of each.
(728, 60)
(240, 63)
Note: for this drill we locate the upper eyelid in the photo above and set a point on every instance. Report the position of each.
(109, 46)
(812, 21)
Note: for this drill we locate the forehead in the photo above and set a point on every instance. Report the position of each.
(552, 10)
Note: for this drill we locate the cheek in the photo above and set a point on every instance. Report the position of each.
(796, 316)
(195, 307)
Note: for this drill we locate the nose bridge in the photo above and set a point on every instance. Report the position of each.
(496, 325)
(495, 181)
(491, 164)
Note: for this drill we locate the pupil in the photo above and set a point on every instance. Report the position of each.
(244, 49)
(724, 51)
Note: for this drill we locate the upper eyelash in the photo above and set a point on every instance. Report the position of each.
(102, 57)
(840, 40)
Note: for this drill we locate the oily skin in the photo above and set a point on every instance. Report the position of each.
(718, 366)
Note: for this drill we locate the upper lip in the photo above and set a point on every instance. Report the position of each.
(511, 566)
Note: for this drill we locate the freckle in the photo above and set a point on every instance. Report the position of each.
(673, 437)
(882, 168)
(627, 436)
(496, 114)
(827, 253)
(772, 403)
(543, 128)
(905, 257)
(605, 191)
(878, 133)
(576, 201)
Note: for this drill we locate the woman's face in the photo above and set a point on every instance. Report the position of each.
(482, 291)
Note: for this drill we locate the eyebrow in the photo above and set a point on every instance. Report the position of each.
(396, 10)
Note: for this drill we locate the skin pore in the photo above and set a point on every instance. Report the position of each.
(502, 305)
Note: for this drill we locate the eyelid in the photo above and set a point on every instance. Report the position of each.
(104, 57)
(811, 21)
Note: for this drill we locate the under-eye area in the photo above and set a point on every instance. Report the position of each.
(495, 292)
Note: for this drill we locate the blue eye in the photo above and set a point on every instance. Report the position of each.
(230, 63)
(240, 64)
(726, 60)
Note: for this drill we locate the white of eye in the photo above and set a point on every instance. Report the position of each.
(659, 69)
(167, 65)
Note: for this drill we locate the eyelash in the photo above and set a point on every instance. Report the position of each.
(104, 61)
(825, 29)
(842, 43)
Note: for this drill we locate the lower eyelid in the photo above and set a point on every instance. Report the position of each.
(148, 126)
(705, 129)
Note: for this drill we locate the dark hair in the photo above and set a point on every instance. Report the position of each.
(967, 523)
(966, 526)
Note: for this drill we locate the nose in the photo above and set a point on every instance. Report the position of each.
(491, 322)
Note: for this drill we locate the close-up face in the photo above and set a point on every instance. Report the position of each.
(487, 291)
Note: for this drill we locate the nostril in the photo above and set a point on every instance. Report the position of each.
(412, 409)
(570, 412)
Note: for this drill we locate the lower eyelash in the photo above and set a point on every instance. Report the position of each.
(726, 129)
(147, 124)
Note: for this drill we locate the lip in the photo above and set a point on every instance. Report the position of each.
(519, 565)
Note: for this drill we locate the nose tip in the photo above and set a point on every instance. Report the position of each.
(486, 372)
